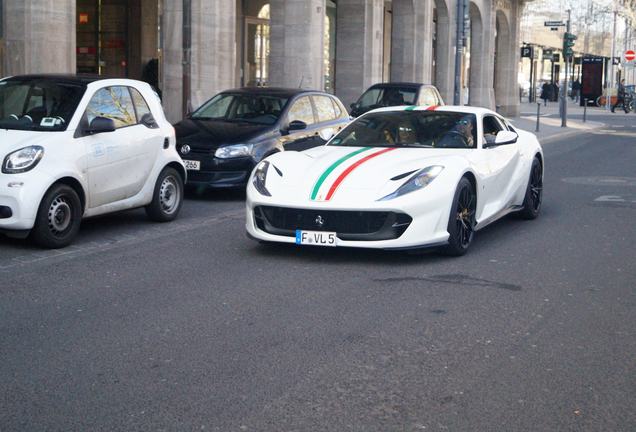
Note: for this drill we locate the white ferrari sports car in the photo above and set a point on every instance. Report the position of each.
(399, 178)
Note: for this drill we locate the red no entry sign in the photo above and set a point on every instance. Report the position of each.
(630, 55)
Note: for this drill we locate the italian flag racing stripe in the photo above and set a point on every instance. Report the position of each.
(432, 108)
(348, 171)
(333, 166)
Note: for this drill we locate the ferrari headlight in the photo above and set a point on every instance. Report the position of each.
(232, 151)
(419, 180)
(260, 175)
(22, 160)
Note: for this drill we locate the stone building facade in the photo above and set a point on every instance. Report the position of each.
(342, 46)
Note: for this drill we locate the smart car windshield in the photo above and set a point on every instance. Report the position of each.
(383, 97)
(39, 105)
(249, 108)
(419, 129)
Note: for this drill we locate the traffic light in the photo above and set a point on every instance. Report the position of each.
(568, 43)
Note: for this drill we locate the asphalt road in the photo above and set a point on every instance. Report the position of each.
(191, 326)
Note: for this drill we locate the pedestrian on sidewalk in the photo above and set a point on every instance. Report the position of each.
(545, 93)
(554, 93)
(576, 90)
(620, 99)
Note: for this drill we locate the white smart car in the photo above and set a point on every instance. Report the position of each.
(74, 147)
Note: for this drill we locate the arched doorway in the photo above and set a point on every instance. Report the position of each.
(256, 43)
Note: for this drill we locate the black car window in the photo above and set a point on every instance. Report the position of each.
(302, 110)
(244, 107)
(114, 103)
(141, 107)
(491, 128)
(38, 104)
(419, 129)
(324, 108)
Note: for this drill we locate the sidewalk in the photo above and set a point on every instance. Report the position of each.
(550, 123)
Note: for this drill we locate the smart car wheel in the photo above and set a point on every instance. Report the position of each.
(167, 197)
(461, 223)
(534, 192)
(58, 218)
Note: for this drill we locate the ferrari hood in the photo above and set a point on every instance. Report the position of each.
(342, 174)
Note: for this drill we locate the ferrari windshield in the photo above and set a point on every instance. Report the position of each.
(40, 104)
(249, 108)
(423, 129)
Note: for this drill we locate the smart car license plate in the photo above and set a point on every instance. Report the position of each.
(316, 238)
(192, 165)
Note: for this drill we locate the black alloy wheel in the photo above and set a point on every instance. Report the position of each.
(534, 192)
(461, 223)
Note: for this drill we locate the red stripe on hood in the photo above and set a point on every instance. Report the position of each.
(348, 171)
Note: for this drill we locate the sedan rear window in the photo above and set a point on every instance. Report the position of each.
(384, 97)
(423, 129)
(249, 108)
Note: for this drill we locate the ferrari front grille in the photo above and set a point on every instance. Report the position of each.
(348, 224)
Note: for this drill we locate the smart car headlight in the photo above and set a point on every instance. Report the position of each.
(419, 180)
(232, 151)
(22, 160)
(259, 178)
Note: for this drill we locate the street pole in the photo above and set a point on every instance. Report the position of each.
(564, 97)
(611, 83)
(459, 49)
(187, 56)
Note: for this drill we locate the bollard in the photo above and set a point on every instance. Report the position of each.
(584, 110)
(538, 113)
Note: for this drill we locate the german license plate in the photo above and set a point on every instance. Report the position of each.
(316, 238)
(192, 165)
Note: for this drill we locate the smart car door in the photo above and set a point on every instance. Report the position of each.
(110, 156)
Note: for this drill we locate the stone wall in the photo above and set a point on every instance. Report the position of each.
(39, 36)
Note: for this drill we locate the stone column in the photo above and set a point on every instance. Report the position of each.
(482, 53)
(508, 57)
(296, 43)
(444, 78)
(359, 49)
(213, 58)
(412, 42)
(39, 36)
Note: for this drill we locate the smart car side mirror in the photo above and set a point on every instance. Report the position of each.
(100, 125)
(354, 106)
